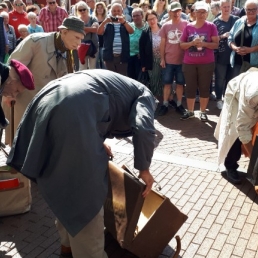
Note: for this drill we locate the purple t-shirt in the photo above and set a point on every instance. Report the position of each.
(192, 55)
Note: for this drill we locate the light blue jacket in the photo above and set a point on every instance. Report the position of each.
(233, 32)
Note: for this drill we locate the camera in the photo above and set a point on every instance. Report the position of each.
(113, 18)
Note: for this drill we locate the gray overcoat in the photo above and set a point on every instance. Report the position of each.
(59, 142)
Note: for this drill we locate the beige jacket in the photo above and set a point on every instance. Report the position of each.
(239, 113)
(38, 53)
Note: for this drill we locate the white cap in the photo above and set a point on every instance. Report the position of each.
(201, 5)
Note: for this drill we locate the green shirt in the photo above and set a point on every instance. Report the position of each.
(135, 37)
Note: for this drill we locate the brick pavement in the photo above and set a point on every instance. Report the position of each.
(222, 217)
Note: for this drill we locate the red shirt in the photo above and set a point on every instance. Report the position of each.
(15, 19)
(51, 21)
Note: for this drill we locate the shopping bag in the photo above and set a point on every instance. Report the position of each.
(142, 226)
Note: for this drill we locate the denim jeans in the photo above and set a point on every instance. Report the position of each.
(100, 63)
(223, 74)
(134, 67)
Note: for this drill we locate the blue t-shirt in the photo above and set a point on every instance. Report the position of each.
(38, 28)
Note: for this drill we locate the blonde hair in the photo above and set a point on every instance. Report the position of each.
(155, 5)
(80, 4)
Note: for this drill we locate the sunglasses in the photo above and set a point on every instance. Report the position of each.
(18, 4)
(51, 2)
(81, 10)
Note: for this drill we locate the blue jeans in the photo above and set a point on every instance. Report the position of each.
(100, 63)
(223, 74)
(134, 67)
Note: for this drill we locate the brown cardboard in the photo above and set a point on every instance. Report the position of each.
(151, 222)
(252, 174)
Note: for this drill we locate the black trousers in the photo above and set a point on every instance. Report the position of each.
(234, 155)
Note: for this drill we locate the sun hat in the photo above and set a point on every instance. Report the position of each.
(73, 23)
(175, 6)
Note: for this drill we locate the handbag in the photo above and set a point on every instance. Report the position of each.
(144, 78)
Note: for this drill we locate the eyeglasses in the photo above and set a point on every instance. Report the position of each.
(136, 15)
(201, 12)
(152, 19)
(251, 10)
(18, 4)
(81, 10)
(52, 2)
(162, 0)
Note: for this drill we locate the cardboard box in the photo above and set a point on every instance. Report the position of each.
(142, 226)
(252, 171)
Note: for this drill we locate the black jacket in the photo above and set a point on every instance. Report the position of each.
(145, 46)
(108, 39)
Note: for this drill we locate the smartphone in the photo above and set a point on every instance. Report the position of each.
(114, 18)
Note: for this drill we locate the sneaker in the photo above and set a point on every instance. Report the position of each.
(197, 99)
(233, 176)
(172, 103)
(203, 117)
(212, 97)
(180, 109)
(220, 104)
(187, 115)
(163, 110)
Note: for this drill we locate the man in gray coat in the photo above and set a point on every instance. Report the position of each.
(59, 144)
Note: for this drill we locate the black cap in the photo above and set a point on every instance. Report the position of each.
(73, 23)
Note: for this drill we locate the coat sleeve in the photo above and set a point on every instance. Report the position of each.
(142, 43)
(247, 117)
(142, 123)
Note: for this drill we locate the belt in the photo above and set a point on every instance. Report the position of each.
(116, 55)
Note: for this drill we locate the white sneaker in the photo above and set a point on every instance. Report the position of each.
(220, 104)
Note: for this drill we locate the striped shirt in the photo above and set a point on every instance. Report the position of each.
(117, 44)
(51, 21)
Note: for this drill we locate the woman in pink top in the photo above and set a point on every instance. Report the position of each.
(198, 40)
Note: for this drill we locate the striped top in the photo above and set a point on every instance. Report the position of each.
(117, 44)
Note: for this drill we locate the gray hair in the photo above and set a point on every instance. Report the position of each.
(215, 4)
(251, 2)
(116, 4)
(81, 4)
(4, 15)
(22, 26)
(137, 9)
(31, 15)
(221, 2)
(14, 2)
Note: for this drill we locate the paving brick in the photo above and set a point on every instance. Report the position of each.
(233, 236)
(226, 251)
(228, 204)
(212, 200)
(209, 221)
(204, 211)
(214, 230)
(246, 208)
(200, 236)
(227, 226)
(191, 251)
(216, 208)
(186, 240)
(213, 254)
(240, 221)
(249, 254)
(205, 247)
(234, 193)
(246, 231)
(252, 217)
(252, 243)
(196, 224)
(240, 247)
(234, 212)
(219, 241)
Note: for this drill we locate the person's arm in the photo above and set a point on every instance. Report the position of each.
(141, 120)
(101, 28)
(214, 44)
(122, 20)
(162, 52)
(92, 29)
